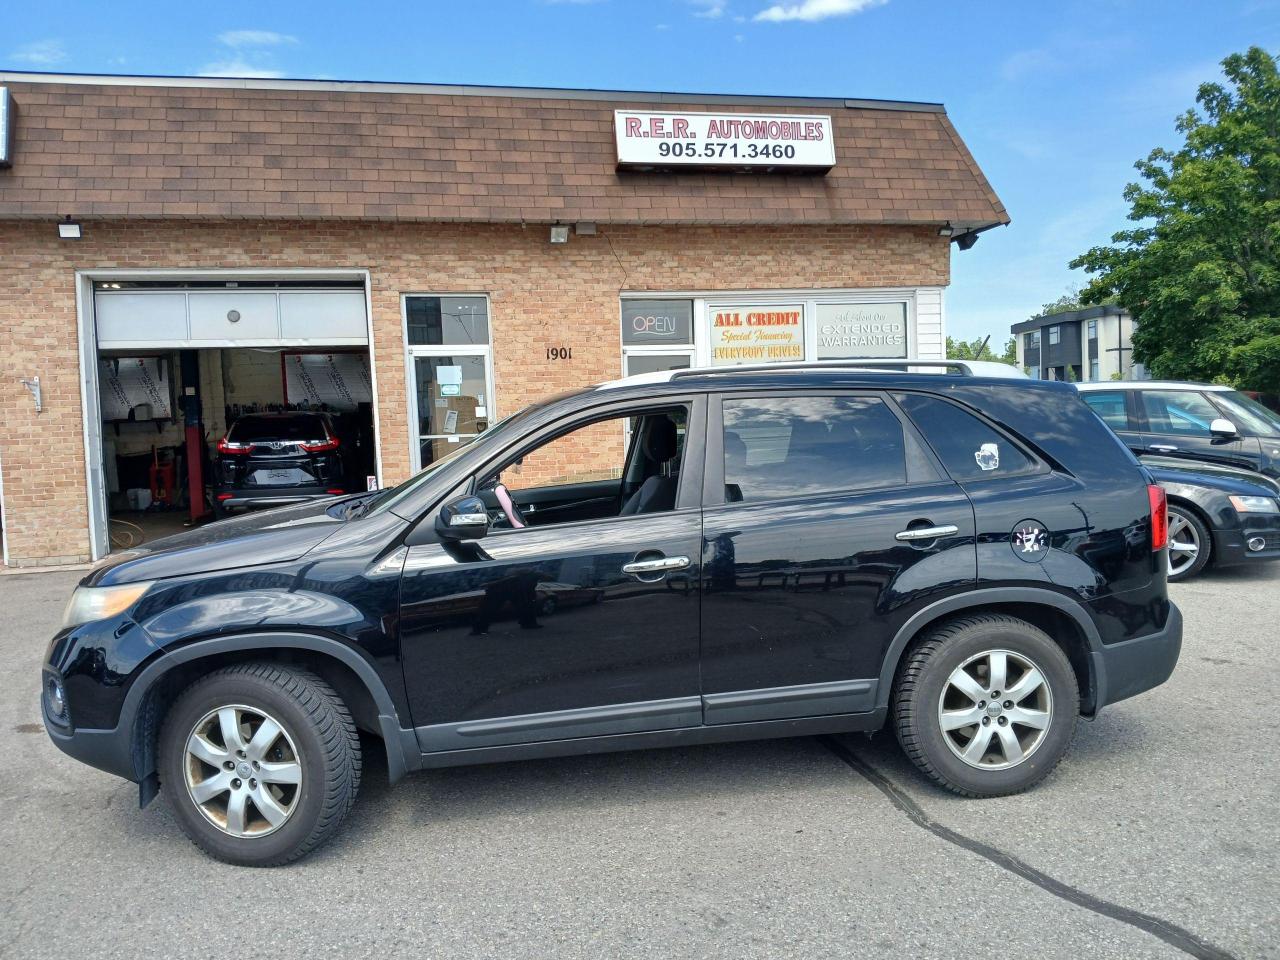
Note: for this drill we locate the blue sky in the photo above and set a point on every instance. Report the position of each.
(1056, 100)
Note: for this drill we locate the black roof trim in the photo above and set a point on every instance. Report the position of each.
(462, 90)
(1068, 316)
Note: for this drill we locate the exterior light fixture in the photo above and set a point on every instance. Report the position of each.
(559, 233)
(946, 230)
(585, 228)
(68, 229)
(966, 240)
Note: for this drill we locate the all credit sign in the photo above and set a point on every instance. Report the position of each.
(735, 140)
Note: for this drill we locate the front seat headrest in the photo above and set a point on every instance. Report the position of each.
(660, 439)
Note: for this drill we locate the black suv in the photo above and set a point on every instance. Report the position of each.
(1190, 421)
(270, 459)
(751, 553)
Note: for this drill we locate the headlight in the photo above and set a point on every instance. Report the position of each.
(1256, 504)
(98, 603)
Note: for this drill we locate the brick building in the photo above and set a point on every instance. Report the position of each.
(438, 256)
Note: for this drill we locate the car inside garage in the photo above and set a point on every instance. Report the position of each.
(221, 396)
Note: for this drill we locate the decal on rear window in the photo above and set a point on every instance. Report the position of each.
(988, 457)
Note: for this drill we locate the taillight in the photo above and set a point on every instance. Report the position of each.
(319, 446)
(335, 490)
(231, 447)
(1159, 517)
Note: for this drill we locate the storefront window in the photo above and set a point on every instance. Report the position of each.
(756, 333)
(862, 330)
(656, 335)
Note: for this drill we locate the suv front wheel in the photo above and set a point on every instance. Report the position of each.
(986, 705)
(260, 763)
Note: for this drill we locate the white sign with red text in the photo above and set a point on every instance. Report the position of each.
(647, 139)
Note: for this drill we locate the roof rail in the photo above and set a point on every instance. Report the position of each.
(967, 368)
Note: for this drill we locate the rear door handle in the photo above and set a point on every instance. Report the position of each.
(1162, 448)
(927, 533)
(640, 568)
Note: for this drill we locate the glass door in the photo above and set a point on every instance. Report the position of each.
(452, 397)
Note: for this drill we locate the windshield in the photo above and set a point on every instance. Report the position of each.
(1250, 416)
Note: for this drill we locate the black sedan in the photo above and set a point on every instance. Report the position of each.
(1217, 514)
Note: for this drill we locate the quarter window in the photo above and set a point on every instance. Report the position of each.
(1178, 412)
(969, 448)
(802, 445)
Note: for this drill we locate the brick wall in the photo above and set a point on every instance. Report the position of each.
(541, 295)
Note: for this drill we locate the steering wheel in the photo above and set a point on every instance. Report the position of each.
(513, 514)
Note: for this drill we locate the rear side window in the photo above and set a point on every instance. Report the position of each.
(792, 446)
(969, 448)
(1110, 407)
(253, 428)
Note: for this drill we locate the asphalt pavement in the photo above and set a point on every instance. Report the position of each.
(1157, 837)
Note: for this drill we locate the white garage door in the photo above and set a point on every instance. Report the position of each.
(163, 319)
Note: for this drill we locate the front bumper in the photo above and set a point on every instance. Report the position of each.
(1230, 547)
(1131, 667)
(109, 750)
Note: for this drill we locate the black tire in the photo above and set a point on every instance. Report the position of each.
(547, 607)
(1196, 527)
(327, 749)
(919, 689)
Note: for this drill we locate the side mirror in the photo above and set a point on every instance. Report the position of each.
(1223, 428)
(463, 518)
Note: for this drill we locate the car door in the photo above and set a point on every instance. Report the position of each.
(560, 630)
(1176, 423)
(825, 523)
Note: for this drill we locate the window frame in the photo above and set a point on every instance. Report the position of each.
(1055, 334)
(688, 492)
(922, 464)
(1039, 465)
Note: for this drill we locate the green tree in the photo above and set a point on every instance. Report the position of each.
(980, 349)
(1200, 271)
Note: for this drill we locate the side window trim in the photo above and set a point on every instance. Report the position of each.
(713, 468)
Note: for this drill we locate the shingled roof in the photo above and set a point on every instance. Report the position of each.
(191, 148)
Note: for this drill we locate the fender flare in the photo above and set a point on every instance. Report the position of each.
(402, 750)
(983, 598)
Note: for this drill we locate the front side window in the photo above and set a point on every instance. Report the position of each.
(1109, 405)
(1179, 412)
(969, 448)
(794, 446)
(1248, 414)
(618, 466)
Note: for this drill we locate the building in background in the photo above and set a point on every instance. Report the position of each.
(1095, 343)
(425, 259)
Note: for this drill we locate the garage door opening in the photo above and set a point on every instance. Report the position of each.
(217, 398)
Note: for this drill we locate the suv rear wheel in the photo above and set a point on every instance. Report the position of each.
(260, 763)
(986, 705)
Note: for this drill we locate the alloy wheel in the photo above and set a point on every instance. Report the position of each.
(1184, 544)
(995, 709)
(242, 771)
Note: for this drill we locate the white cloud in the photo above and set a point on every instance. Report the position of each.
(41, 53)
(1018, 65)
(813, 10)
(236, 68)
(709, 9)
(255, 38)
(663, 26)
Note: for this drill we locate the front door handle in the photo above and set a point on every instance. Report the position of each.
(1162, 448)
(642, 568)
(927, 533)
